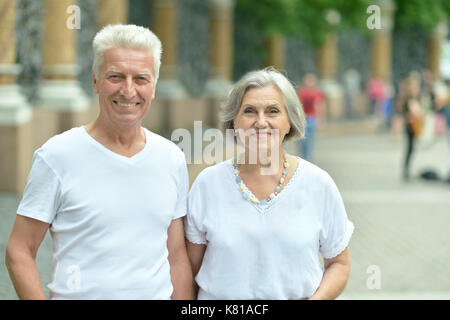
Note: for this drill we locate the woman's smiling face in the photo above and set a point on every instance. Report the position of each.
(262, 120)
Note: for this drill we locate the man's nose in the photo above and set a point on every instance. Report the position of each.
(128, 89)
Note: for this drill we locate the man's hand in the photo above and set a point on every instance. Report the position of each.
(180, 267)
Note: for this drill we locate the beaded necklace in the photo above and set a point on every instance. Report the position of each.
(250, 197)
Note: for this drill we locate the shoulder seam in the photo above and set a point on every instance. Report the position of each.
(50, 167)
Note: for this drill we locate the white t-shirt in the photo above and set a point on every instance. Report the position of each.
(109, 214)
(269, 252)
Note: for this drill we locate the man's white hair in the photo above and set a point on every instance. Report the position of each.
(126, 36)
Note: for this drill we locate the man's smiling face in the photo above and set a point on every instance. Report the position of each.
(125, 85)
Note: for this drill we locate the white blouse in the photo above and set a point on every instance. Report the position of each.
(265, 252)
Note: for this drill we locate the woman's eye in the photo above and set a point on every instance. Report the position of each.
(274, 110)
(248, 110)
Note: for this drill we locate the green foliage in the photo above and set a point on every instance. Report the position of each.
(269, 16)
(255, 20)
(423, 14)
(306, 18)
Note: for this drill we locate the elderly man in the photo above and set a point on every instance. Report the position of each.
(112, 192)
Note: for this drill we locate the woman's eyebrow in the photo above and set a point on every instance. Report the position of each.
(268, 106)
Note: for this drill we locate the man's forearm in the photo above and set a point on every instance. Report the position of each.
(182, 281)
(25, 277)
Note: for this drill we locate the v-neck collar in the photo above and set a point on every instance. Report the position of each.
(263, 208)
(110, 153)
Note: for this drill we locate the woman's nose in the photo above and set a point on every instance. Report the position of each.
(261, 121)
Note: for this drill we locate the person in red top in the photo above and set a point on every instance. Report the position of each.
(312, 98)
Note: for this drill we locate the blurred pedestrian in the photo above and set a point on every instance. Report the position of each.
(376, 94)
(446, 112)
(352, 85)
(387, 106)
(427, 92)
(312, 99)
(408, 104)
(443, 107)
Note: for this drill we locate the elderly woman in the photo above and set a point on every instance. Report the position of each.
(255, 228)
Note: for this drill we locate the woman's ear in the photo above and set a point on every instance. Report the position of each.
(289, 131)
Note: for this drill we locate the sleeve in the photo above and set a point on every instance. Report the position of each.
(337, 229)
(182, 188)
(42, 193)
(193, 225)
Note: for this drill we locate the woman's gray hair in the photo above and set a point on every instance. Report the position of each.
(259, 79)
(127, 36)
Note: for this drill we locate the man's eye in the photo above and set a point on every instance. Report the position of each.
(248, 110)
(143, 79)
(274, 110)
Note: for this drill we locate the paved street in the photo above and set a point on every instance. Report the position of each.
(400, 246)
(401, 229)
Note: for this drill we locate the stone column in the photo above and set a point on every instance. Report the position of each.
(327, 56)
(168, 104)
(275, 46)
(165, 27)
(220, 55)
(15, 113)
(327, 62)
(221, 46)
(381, 43)
(435, 40)
(111, 12)
(62, 99)
(381, 48)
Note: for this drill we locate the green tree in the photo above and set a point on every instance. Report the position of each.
(256, 20)
(307, 18)
(422, 14)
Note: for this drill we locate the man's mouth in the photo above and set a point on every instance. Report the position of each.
(126, 105)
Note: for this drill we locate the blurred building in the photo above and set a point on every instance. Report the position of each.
(198, 66)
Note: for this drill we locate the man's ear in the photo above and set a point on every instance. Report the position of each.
(94, 81)
(154, 91)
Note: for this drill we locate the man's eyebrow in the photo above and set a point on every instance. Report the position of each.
(144, 74)
(114, 71)
(138, 74)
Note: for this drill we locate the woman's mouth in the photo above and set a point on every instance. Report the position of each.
(261, 134)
